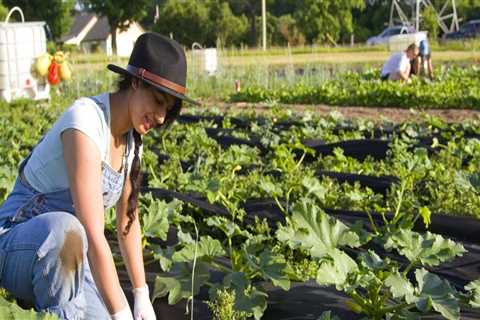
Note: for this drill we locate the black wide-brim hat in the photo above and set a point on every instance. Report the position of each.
(160, 62)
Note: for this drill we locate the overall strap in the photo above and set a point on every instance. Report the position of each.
(128, 138)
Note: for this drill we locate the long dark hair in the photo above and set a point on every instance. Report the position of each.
(135, 173)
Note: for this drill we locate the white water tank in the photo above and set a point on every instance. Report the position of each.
(20, 44)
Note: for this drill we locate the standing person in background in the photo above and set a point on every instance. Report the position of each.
(397, 67)
(424, 58)
(53, 249)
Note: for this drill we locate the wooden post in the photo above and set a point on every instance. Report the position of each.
(264, 24)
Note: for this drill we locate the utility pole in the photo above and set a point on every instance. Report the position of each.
(264, 25)
(417, 15)
(157, 14)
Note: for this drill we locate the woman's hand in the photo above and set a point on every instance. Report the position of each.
(143, 309)
(124, 314)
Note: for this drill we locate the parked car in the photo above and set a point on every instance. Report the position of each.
(383, 37)
(471, 29)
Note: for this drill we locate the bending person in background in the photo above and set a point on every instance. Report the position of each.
(397, 67)
(425, 59)
(53, 249)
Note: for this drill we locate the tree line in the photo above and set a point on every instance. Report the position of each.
(237, 22)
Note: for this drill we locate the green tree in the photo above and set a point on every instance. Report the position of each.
(120, 14)
(282, 7)
(204, 22)
(325, 21)
(227, 27)
(371, 20)
(187, 21)
(3, 11)
(56, 13)
(429, 22)
(287, 31)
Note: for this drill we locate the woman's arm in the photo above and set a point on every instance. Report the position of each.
(83, 162)
(130, 244)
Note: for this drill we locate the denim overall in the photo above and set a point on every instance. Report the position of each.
(43, 247)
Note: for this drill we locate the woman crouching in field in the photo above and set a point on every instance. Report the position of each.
(53, 251)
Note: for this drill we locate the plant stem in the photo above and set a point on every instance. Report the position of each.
(288, 200)
(360, 301)
(220, 267)
(194, 266)
(152, 172)
(300, 161)
(280, 206)
(385, 297)
(384, 218)
(399, 204)
(374, 226)
(409, 267)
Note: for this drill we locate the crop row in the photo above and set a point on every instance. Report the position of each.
(454, 87)
(239, 204)
(243, 198)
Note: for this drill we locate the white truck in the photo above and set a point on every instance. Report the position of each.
(398, 38)
(389, 32)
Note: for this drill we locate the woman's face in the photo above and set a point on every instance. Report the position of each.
(148, 107)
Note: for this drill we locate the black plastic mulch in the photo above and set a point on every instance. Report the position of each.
(377, 131)
(225, 140)
(380, 184)
(308, 300)
(358, 149)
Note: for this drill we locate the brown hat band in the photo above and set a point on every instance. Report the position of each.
(145, 74)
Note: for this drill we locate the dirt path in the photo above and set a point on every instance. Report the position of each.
(375, 114)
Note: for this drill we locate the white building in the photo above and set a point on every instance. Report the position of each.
(92, 34)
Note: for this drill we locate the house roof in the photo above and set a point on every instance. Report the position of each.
(80, 21)
(88, 27)
(99, 31)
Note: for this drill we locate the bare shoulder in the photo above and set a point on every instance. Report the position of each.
(78, 147)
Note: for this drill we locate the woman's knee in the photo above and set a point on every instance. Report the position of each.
(59, 269)
(65, 239)
(65, 229)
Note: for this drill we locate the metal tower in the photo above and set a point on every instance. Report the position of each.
(447, 17)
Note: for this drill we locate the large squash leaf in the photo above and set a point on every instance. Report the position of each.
(207, 247)
(436, 293)
(335, 269)
(312, 229)
(429, 249)
(177, 284)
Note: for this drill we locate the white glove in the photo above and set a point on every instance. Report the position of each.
(143, 309)
(124, 314)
